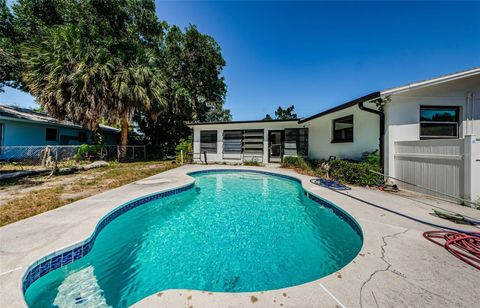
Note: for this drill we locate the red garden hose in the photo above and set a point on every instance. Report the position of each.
(464, 246)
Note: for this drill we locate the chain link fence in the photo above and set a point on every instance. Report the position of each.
(14, 158)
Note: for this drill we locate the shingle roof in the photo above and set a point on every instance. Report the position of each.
(41, 117)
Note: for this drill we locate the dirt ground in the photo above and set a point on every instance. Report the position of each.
(31, 196)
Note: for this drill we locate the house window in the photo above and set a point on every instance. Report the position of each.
(253, 142)
(51, 134)
(439, 122)
(343, 129)
(296, 141)
(208, 141)
(82, 137)
(232, 141)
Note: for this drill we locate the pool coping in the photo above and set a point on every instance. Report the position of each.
(25, 245)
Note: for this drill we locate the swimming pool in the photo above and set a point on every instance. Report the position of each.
(230, 232)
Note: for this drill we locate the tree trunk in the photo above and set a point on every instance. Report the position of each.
(96, 135)
(123, 136)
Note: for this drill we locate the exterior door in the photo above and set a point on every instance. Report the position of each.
(275, 146)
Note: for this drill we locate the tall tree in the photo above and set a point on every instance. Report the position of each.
(69, 78)
(137, 86)
(283, 114)
(203, 66)
(99, 60)
(191, 64)
(9, 64)
(90, 66)
(267, 117)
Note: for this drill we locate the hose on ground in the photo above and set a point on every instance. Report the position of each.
(466, 247)
(463, 244)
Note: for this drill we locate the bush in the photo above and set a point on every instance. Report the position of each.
(252, 162)
(87, 151)
(372, 158)
(186, 146)
(346, 171)
(296, 162)
(357, 173)
(322, 170)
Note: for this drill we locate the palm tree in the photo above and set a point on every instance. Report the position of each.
(86, 84)
(69, 79)
(138, 85)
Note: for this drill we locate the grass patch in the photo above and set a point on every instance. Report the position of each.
(33, 203)
(104, 178)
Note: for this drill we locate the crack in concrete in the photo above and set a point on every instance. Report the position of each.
(382, 257)
(445, 298)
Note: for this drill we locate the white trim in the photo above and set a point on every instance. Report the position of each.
(431, 82)
(332, 296)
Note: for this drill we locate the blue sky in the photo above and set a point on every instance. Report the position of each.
(316, 55)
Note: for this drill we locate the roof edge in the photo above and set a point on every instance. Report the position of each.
(351, 103)
(431, 81)
(240, 122)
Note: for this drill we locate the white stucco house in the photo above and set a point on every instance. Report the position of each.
(426, 133)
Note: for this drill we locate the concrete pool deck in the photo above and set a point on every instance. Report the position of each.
(395, 267)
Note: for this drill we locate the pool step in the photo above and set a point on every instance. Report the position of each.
(80, 289)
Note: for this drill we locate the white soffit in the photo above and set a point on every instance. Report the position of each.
(431, 82)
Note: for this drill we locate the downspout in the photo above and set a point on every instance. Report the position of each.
(382, 132)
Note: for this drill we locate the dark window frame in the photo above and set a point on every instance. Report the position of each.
(300, 137)
(209, 149)
(342, 140)
(47, 136)
(82, 137)
(439, 123)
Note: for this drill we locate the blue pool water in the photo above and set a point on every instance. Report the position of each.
(233, 232)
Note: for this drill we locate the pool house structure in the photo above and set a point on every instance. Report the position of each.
(245, 141)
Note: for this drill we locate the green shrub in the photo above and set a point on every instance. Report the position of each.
(351, 172)
(252, 162)
(357, 173)
(321, 170)
(186, 146)
(372, 158)
(87, 151)
(297, 162)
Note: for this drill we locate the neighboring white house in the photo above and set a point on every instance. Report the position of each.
(427, 134)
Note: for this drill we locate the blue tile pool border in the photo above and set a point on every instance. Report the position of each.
(72, 253)
(77, 251)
